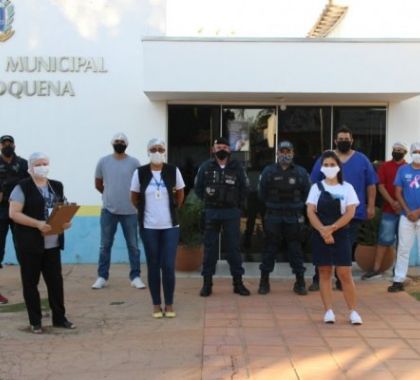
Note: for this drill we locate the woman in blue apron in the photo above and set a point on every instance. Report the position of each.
(331, 205)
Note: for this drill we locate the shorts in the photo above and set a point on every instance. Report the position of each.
(388, 229)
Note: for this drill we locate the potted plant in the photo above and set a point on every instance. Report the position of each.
(366, 245)
(190, 253)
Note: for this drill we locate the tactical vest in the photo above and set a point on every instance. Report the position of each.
(168, 175)
(30, 239)
(10, 175)
(221, 186)
(284, 187)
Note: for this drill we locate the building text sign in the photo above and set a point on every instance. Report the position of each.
(68, 65)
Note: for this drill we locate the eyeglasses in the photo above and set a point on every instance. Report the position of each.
(154, 150)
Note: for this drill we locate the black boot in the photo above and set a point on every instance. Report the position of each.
(207, 286)
(299, 287)
(239, 287)
(264, 287)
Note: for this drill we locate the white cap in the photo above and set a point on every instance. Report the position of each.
(414, 146)
(34, 157)
(154, 142)
(400, 145)
(119, 136)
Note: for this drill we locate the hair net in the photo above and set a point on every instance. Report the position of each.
(120, 136)
(156, 141)
(414, 146)
(34, 157)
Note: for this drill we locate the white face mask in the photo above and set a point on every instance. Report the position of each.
(41, 171)
(330, 171)
(416, 158)
(157, 158)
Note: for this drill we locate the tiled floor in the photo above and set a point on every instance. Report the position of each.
(277, 336)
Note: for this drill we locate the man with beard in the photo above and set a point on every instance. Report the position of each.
(223, 185)
(113, 179)
(12, 169)
(360, 173)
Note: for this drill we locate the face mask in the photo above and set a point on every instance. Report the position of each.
(285, 158)
(222, 154)
(119, 148)
(416, 158)
(156, 158)
(330, 171)
(41, 171)
(7, 151)
(397, 156)
(343, 146)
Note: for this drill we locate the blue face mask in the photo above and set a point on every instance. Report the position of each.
(285, 158)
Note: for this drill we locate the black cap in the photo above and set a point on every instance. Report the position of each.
(7, 138)
(221, 140)
(285, 145)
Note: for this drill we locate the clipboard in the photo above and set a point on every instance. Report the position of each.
(62, 213)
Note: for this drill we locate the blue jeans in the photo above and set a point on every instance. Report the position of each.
(388, 229)
(109, 222)
(160, 248)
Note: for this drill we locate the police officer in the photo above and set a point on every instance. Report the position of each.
(12, 169)
(283, 187)
(223, 185)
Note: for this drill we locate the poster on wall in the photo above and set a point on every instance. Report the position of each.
(238, 135)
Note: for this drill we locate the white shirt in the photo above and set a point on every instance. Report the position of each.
(157, 214)
(344, 192)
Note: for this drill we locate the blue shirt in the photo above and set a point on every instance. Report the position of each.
(359, 172)
(408, 179)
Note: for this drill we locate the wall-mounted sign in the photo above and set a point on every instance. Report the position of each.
(7, 13)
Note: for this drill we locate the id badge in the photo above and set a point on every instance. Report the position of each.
(157, 194)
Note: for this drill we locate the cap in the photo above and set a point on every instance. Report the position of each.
(400, 145)
(154, 142)
(120, 136)
(221, 140)
(285, 145)
(414, 146)
(7, 138)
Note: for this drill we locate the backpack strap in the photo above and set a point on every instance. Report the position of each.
(320, 186)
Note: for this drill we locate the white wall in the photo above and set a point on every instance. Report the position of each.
(76, 131)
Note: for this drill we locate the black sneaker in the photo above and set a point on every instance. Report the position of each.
(371, 275)
(314, 287)
(65, 325)
(36, 329)
(396, 287)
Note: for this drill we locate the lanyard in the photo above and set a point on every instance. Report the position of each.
(158, 183)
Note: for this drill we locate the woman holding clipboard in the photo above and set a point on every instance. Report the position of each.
(31, 201)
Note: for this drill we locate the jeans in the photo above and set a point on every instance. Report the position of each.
(407, 233)
(274, 232)
(5, 224)
(231, 235)
(388, 229)
(109, 222)
(160, 248)
(49, 264)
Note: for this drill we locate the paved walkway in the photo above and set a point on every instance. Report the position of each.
(278, 336)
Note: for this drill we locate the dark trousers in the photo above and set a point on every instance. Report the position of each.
(274, 232)
(49, 264)
(5, 224)
(354, 227)
(160, 249)
(231, 236)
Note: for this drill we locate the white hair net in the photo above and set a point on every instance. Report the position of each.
(400, 145)
(414, 146)
(154, 142)
(34, 157)
(119, 136)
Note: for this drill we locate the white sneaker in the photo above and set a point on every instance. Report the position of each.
(138, 283)
(329, 316)
(355, 318)
(99, 283)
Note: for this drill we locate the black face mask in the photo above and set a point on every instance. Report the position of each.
(397, 156)
(7, 151)
(120, 148)
(222, 154)
(343, 146)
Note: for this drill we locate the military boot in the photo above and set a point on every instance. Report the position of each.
(299, 287)
(264, 287)
(239, 287)
(206, 290)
